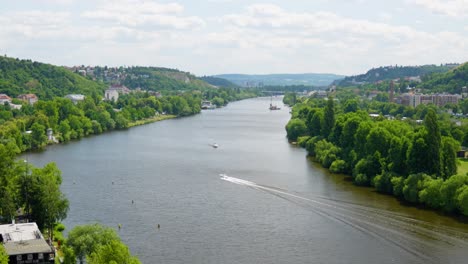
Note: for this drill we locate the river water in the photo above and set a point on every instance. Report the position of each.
(271, 206)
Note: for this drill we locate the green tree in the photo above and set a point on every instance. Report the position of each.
(84, 240)
(38, 136)
(449, 157)
(433, 141)
(328, 118)
(296, 128)
(48, 204)
(115, 252)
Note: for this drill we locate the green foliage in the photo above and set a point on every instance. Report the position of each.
(97, 244)
(412, 162)
(383, 182)
(45, 80)
(296, 128)
(451, 81)
(433, 141)
(338, 166)
(430, 194)
(328, 118)
(393, 72)
(3, 255)
(114, 252)
(290, 98)
(83, 240)
(326, 153)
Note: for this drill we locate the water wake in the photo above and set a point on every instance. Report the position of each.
(398, 230)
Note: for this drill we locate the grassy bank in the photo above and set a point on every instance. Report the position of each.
(151, 120)
(462, 166)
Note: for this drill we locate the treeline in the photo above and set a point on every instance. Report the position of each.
(27, 128)
(220, 82)
(394, 72)
(157, 79)
(222, 96)
(451, 81)
(45, 80)
(412, 161)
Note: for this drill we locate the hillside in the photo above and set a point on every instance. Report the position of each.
(308, 79)
(145, 78)
(219, 82)
(451, 81)
(394, 72)
(25, 76)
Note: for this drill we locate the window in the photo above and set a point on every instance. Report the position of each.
(30, 256)
(40, 256)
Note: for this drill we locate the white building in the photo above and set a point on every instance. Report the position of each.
(4, 99)
(24, 243)
(111, 95)
(75, 97)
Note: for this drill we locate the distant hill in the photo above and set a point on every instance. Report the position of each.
(219, 82)
(25, 76)
(146, 78)
(394, 72)
(451, 81)
(308, 79)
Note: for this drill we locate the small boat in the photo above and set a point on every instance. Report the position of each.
(272, 106)
(215, 145)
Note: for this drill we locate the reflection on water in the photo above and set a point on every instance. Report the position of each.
(271, 206)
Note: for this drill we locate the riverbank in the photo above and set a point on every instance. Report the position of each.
(150, 120)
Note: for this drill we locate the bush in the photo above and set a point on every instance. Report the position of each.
(361, 180)
(462, 200)
(398, 184)
(302, 141)
(338, 166)
(383, 182)
(430, 194)
(413, 185)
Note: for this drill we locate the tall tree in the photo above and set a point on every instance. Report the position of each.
(328, 118)
(433, 141)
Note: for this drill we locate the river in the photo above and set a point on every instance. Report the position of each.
(273, 205)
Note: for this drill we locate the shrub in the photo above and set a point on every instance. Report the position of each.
(338, 166)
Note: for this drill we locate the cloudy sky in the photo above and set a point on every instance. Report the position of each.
(237, 36)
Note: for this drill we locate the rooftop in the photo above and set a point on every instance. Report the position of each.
(23, 239)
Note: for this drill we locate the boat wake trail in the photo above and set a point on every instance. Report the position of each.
(407, 234)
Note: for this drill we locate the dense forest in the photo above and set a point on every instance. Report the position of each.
(45, 80)
(414, 161)
(451, 81)
(393, 72)
(219, 82)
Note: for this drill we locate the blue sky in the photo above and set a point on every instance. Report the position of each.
(237, 36)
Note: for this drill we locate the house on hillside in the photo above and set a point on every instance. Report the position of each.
(121, 89)
(24, 243)
(30, 98)
(75, 97)
(111, 95)
(4, 99)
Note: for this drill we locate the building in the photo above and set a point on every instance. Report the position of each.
(415, 99)
(30, 98)
(121, 89)
(24, 243)
(111, 95)
(75, 97)
(443, 99)
(4, 99)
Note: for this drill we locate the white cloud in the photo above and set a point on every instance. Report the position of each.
(453, 8)
(143, 12)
